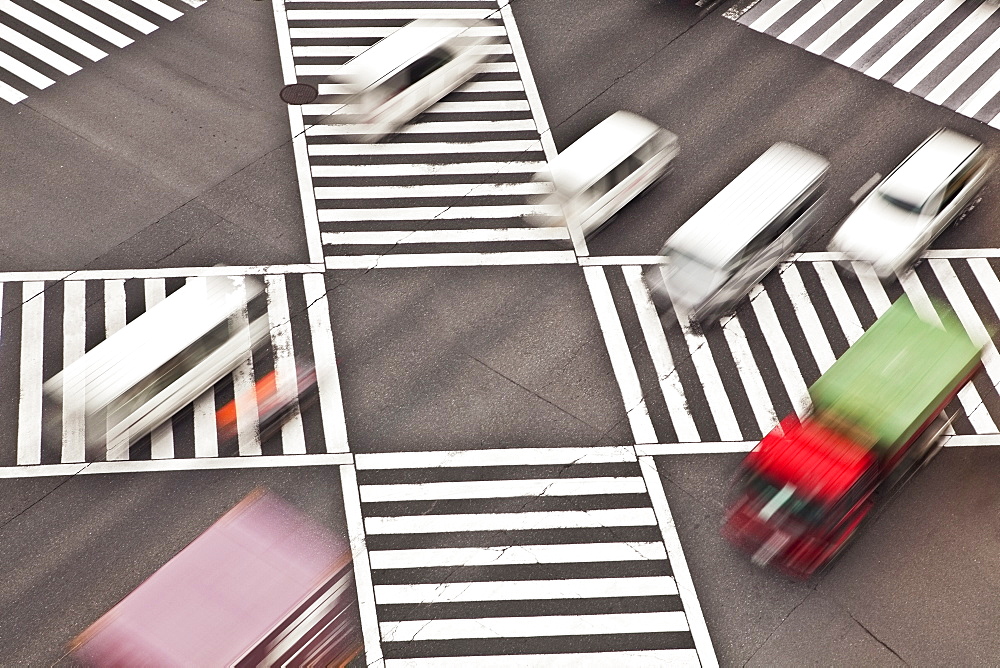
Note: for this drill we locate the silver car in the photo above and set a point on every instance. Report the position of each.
(900, 218)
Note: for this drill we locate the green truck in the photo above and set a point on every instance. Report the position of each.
(877, 416)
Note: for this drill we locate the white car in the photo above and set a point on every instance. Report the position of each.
(900, 218)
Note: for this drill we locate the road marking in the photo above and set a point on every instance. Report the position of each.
(437, 212)
(362, 566)
(912, 38)
(401, 261)
(293, 439)
(888, 22)
(162, 437)
(526, 590)
(427, 127)
(244, 382)
(620, 355)
(841, 303)
(433, 190)
(86, 22)
(498, 489)
(805, 311)
(784, 359)
(562, 519)
(506, 555)
(757, 396)
(125, 16)
(424, 148)
(331, 401)
(445, 236)
(51, 30)
(528, 627)
(160, 465)
(498, 457)
(427, 169)
(863, 190)
(74, 346)
(29, 410)
(395, 14)
(678, 564)
(640, 658)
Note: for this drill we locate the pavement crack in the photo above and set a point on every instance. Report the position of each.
(875, 637)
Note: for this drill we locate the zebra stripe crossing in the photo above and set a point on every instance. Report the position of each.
(732, 382)
(943, 51)
(43, 39)
(556, 549)
(457, 181)
(48, 324)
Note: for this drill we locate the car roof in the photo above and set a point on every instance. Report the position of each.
(721, 229)
(929, 166)
(603, 147)
(399, 49)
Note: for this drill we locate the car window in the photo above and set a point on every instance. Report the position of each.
(907, 206)
(429, 63)
(961, 179)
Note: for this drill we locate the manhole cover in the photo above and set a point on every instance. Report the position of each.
(298, 93)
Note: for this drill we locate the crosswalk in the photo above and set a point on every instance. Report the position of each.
(46, 324)
(43, 40)
(733, 382)
(526, 557)
(945, 51)
(453, 186)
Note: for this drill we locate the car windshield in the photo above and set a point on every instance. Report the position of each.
(765, 490)
(905, 205)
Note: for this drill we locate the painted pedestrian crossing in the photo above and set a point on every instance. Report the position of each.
(43, 40)
(526, 556)
(47, 324)
(454, 185)
(733, 382)
(947, 52)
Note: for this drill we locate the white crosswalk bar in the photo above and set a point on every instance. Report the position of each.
(51, 30)
(378, 32)
(469, 106)
(527, 627)
(563, 519)
(512, 555)
(777, 343)
(334, 51)
(805, 311)
(86, 22)
(426, 169)
(525, 590)
(438, 212)
(640, 658)
(434, 190)
(400, 14)
(499, 457)
(22, 71)
(497, 489)
(430, 127)
(44, 54)
(428, 149)
(410, 260)
(445, 236)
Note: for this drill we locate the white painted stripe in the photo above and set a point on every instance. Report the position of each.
(285, 57)
(85, 22)
(374, 33)
(639, 658)
(300, 150)
(967, 313)
(945, 47)
(162, 437)
(805, 311)
(760, 401)
(865, 188)
(194, 3)
(708, 374)
(526, 590)
(678, 564)
(528, 627)
(911, 39)
(324, 356)
(982, 95)
(807, 20)
(429, 127)
(960, 74)
(500, 489)
(506, 258)
(44, 54)
(162, 272)
(51, 30)
(426, 149)
(158, 465)
(441, 212)
(344, 51)
(395, 14)
(206, 435)
(565, 519)
(19, 69)
(426, 169)
(701, 448)
(991, 287)
(838, 29)
(464, 107)
(506, 86)
(434, 190)
(293, 439)
(498, 457)
(846, 314)
(620, 355)
(617, 260)
(878, 31)
(972, 440)
(362, 566)
(29, 408)
(157, 7)
(659, 352)
(777, 343)
(114, 321)
(942, 253)
(74, 346)
(968, 395)
(123, 15)
(510, 86)
(506, 555)
(445, 236)
(247, 429)
(11, 94)
(775, 12)
(872, 287)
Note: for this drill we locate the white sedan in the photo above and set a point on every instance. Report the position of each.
(900, 218)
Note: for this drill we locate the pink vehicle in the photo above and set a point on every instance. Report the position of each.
(263, 586)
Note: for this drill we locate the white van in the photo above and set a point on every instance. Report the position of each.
(406, 72)
(605, 169)
(742, 233)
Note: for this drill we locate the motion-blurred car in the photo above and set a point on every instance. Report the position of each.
(406, 72)
(604, 170)
(741, 234)
(928, 191)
